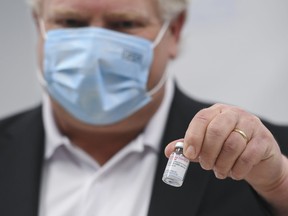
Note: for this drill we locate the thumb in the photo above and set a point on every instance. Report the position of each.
(171, 146)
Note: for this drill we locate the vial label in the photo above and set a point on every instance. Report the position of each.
(175, 170)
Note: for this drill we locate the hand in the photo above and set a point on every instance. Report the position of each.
(250, 152)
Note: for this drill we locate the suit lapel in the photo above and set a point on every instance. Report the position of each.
(21, 153)
(167, 200)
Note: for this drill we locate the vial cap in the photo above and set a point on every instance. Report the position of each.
(179, 145)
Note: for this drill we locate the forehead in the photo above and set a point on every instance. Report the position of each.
(146, 8)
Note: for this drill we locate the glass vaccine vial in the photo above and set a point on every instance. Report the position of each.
(176, 167)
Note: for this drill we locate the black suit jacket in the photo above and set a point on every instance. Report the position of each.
(21, 158)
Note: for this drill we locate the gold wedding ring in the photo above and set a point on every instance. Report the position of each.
(242, 134)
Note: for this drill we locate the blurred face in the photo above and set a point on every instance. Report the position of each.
(135, 17)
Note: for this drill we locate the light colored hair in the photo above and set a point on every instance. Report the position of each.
(168, 8)
(171, 8)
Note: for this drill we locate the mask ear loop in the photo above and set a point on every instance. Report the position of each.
(42, 29)
(161, 33)
(41, 79)
(159, 84)
(155, 43)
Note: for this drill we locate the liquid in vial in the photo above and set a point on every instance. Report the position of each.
(176, 167)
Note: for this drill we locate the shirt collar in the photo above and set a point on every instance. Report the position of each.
(153, 132)
(150, 137)
(53, 138)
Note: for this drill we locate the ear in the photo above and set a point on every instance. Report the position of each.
(176, 27)
(36, 21)
(40, 40)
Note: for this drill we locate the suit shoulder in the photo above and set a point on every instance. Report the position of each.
(8, 121)
(280, 133)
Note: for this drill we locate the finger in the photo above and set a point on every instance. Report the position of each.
(195, 133)
(246, 126)
(235, 144)
(257, 150)
(231, 150)
(217, 133)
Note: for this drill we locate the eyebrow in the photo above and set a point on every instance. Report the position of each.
(66, 13)
(125, 15)
(74, 14)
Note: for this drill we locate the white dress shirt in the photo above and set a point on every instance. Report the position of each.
(74, 184)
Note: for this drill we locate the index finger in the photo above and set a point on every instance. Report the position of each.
(196, 131)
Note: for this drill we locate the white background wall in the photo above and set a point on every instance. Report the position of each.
(233, 51)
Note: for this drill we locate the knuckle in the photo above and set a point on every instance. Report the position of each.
(214, 130)
(191, 137)
(239, 110)
(265, 137)
(256, 119)
(253, 120)
(250, 156)
(219, 105)
(229, 146)
(202, 115)
(246, 159)
(190, 134)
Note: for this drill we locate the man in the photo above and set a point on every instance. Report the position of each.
(96, 145)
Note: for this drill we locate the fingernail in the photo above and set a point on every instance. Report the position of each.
(190, 152)
(203, 164)
(233, 177)
(219, 176)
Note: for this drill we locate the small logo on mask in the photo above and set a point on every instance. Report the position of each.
(132, 56)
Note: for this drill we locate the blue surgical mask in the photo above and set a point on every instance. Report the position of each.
(99, 76)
